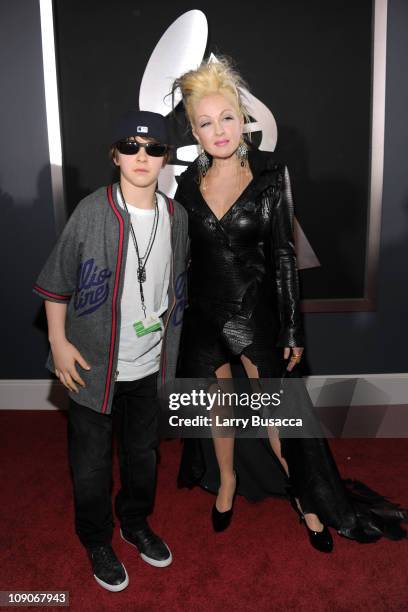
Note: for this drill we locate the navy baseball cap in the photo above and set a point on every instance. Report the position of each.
(141, 123)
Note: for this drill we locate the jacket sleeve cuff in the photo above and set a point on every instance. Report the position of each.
(290, 336)
(45, 294)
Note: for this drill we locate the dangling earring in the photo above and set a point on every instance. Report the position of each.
(242, 153)
(203, 163)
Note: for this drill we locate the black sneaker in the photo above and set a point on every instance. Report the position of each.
(152, 548)
(108, 571)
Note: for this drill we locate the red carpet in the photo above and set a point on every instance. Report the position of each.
(264, 562)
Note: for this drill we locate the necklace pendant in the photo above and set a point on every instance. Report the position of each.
(141, 275)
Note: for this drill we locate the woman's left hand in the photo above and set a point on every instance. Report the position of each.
(295, 357)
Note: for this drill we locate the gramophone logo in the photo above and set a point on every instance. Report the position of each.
(182, 47)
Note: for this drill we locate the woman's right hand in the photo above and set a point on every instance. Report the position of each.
(65, 356)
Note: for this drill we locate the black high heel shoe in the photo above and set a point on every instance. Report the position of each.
(221, 520)
(320, 540)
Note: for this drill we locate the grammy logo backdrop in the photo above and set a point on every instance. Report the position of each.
(310, 67)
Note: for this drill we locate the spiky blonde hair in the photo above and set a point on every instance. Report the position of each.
(214, 77)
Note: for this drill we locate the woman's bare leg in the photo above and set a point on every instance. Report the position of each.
(311, 519)
(224, 451)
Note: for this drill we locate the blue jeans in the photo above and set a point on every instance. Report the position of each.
(134, 421)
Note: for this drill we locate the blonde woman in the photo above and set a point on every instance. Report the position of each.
(244, 304)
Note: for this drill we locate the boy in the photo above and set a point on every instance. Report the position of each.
(113, 288)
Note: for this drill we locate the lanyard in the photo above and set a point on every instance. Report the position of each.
(142, 260)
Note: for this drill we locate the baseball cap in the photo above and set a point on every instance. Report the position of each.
(140, 123)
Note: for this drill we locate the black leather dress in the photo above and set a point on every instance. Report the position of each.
(243, 289)
(244, 299)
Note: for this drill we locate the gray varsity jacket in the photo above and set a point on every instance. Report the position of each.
(86, 271)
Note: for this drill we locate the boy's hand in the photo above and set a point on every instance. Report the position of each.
(65, 356)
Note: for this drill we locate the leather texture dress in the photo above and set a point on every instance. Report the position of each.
(243, 284)
(244, 299)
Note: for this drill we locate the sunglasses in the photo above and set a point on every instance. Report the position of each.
(131, 147)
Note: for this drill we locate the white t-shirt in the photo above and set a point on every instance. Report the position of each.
(140, 356)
